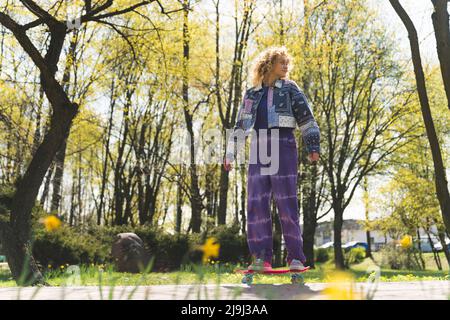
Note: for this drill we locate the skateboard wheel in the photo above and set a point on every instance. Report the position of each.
(247, 279)
(297, 279)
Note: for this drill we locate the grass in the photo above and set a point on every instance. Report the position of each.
(214, 274)
(390, 275)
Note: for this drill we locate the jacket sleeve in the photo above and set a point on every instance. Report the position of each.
(231, 146)
(305, 119)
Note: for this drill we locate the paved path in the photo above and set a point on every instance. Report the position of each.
(386, 290)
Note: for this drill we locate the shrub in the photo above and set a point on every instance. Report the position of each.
(355, 255)
(169, 251)
(67, 246)
(233, 246)
(321, 255)
(397, 258)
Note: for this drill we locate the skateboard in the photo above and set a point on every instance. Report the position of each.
(296, 275)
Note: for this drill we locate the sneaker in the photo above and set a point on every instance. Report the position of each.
(260, 265)
(296, 265)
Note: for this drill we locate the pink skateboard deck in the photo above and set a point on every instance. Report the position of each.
(273, 271)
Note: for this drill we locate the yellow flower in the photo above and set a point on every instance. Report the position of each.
(406, 242)
(210, 249)
(341, 286)
(51, 223)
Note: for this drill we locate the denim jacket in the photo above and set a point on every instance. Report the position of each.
(287, 106)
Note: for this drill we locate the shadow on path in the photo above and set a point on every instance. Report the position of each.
(274, 292)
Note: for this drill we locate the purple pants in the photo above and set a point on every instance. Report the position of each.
(283, 184)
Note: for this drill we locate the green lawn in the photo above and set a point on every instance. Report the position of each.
(431, 272)
(214, 274)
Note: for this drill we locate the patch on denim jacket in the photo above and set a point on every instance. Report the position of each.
(286, 121)
(248, 103)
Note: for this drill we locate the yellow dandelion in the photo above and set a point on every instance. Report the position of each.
(51, 223)
(406, 242)
(341, 286)
(210, 249)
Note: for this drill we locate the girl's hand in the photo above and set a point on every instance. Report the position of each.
(313, 157)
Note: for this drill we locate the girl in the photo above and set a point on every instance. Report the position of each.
(274, 103)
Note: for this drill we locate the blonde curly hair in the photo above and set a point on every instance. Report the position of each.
(264, 62)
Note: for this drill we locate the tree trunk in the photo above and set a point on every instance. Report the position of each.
(105, 162)
(72, 200)
(366, 210)
(309, 227)
(419, 244)
(234, 90)
(119, 177)
(20, 258)
(16, 236)
(37, 132)
(61, 154)
(224, 175)
(79, 186)
(243, 199)
(179, 209)
(369, 245)
(224, 183)
(196, 202)
(58, 177)
(337, 228)
(440, 20)
(236, 201)
(309, 209)
(47, 184)
(437, 259)
(441, 236)
(195, 198)
(209, 193)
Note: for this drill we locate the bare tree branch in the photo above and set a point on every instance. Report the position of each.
(39, 12)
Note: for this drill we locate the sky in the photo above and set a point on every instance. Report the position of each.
(420, 13)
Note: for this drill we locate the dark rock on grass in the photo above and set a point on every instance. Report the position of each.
(129, 254)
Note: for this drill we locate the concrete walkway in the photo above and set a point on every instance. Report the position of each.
(425, 290)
